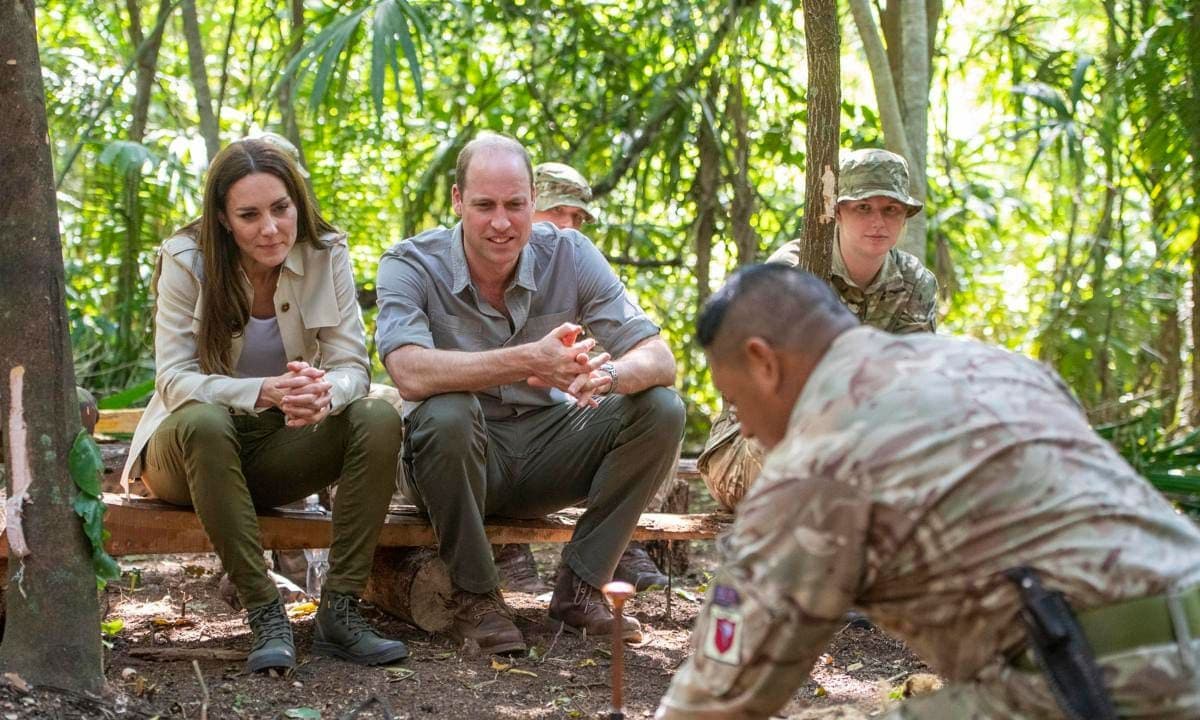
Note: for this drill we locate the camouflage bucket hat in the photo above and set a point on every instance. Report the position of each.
(871, 173)
(557, 184)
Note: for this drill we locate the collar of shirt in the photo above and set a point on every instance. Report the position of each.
(889, 276)
(461, 277)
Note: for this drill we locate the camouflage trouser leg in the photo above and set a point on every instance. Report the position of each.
(730, 463)
(1151, 682)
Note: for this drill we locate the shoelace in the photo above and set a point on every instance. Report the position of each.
(484, 604)
(346, 606)
(269, 622)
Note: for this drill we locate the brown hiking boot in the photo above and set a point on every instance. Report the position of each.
(518, 571)
(582, 608)
(637, 569)
(486, 619)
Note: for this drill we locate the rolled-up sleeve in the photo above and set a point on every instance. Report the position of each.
(605, 306)
(401, 294)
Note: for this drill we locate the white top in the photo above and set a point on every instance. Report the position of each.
(262, 352)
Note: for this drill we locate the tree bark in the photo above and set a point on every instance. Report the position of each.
(744, 236)
(287, 106)
(52, 634)
(704, 191)
(204, 107)
(1194, 130)
(823, 40)
(413, 585)
(914, 104)
(895, 137)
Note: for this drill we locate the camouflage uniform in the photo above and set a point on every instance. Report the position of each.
(557, 184)
(915, 470)
(901, 299)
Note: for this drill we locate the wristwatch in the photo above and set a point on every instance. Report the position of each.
(612, 373)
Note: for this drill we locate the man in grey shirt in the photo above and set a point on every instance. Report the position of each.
(478, 323)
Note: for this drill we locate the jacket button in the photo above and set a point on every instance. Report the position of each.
(285, 307)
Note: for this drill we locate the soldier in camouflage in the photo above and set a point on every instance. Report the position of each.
(563, 196)
(883, 286)
(907, 475)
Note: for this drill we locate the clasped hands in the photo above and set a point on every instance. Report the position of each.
(302, 393)
(562, 362)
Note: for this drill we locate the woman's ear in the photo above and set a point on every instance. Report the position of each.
(223, 220)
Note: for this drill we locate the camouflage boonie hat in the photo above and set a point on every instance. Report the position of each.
(874, 172)
(557, 184)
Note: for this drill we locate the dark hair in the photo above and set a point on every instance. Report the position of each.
(226, 307)
(773, 301)
(489, 140)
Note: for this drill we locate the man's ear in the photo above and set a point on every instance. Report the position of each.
(456, 200)
(762, 363)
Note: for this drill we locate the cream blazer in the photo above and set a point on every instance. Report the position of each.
(319, 320)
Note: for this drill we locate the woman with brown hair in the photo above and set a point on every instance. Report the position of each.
(260, 395)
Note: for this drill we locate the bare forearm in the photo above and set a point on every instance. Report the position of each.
(419, 372)
(649, 364)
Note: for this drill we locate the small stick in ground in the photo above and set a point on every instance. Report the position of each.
(203, 690)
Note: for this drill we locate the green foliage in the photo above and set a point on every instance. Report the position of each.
(86, 466)
(1060, 208)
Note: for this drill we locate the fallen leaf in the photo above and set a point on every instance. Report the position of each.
(519, 671)
(112, 627)
(497, 665)
(442, 656)
(820, 691)
(399, 673)
(162, 622)
(574, 713)
(587, 662)
(825, 659)
(537, 652)
(605, 652)
(194, 570)
(854, 666)
(302, 713)
(303, 609)
(686, 595)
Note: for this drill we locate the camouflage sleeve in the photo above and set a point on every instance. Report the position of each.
(796, 557)
(919, 314)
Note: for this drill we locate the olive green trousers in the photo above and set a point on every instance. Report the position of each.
(226, 466)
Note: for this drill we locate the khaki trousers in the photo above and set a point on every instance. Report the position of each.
(226, 466)
(461, 468)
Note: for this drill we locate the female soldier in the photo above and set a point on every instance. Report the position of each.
(252, 297)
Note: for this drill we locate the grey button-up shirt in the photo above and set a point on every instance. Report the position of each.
(426, 298)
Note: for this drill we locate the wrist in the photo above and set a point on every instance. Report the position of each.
(611, 370)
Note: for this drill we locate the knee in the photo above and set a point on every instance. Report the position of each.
(454, 419)
(375, 418)
(204, 426)
(662, 407)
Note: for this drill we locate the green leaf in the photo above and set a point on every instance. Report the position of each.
(302, 713)
(127, 397)
(86, 465)
(111, 627)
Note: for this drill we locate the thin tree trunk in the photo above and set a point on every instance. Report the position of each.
(52, 634)
(204, 108)
(744, 236)
(287, 104)
(1194, 128)
(233, 16)
(895, 137)
(823, 40)
(704, 190)
(914, 103)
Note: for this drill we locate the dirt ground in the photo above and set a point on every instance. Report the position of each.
(174, 602)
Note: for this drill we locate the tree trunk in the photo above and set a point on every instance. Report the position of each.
(287, 106)
(914, 104)
(744, 236)
(823, 40)
(52, 636)
(204, 108)
(413, 585)
(1194, 130)
(704, 191)
(895, 137)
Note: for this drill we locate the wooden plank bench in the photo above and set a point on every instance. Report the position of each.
(144, 526)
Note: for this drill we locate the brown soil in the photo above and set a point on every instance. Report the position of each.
(178, 605)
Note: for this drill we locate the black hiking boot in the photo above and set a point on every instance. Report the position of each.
(637, 569)
(273, 643)
(343, 633)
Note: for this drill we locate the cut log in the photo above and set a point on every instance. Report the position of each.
(413, 585)
(667, 553)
